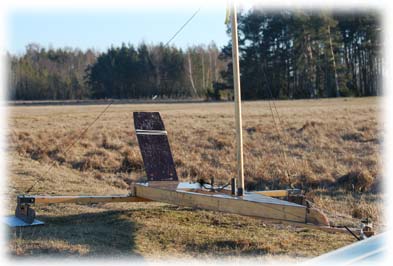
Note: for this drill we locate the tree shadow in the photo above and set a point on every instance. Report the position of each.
(103, 234)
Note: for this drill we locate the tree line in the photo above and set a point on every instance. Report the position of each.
(125, 72)
(284, 54)
(155, 71)
(294, 54)
(49, 74)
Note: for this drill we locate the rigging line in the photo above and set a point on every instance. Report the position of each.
(83, 132)
(352, 233)
(182, 27)
(280, 123)
(178, 31)
(106, 108)
(280, 128)
(284, 155)
(287, 172)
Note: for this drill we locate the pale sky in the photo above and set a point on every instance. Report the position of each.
(100, 29)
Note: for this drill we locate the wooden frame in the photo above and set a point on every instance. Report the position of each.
(39, 199)
(250, 204)
(273, 193)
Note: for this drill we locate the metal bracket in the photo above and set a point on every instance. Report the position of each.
(296, 196)
(25, 213)
(23, 210)
(22, 199)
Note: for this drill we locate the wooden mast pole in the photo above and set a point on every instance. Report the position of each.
(238, 109)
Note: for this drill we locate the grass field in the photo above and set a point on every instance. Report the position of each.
(330, 148)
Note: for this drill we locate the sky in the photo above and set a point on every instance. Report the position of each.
(99, 29)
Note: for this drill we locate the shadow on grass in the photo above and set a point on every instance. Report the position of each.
(229, 247)
(103, 234)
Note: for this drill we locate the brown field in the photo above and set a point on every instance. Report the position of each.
(330, 148)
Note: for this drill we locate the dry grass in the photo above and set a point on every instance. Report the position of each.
(332, 147)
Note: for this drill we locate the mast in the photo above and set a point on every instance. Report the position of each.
(238, 109)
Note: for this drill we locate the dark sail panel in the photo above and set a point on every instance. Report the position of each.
(154, 146)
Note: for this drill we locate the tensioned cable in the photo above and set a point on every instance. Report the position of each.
(179, 30)
(284, 154)
(182, 27)
(83, 132)
(280, 123)
(279, 129)
(80, 136)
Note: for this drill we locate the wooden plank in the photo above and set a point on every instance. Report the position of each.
(171, 185)
(85, 199)
(273, 193)
(250, 204)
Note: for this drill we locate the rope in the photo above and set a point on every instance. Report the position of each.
(177, 32)
(279, 130)
(83, 132)
(182, 27)
(282, 149)
(352, 233)
(278, 127)
(285, 137)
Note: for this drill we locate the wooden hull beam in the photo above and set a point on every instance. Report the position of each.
(251, 204)
(39, 199)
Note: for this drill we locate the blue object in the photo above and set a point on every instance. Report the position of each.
(370, 251)
(13, 221)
